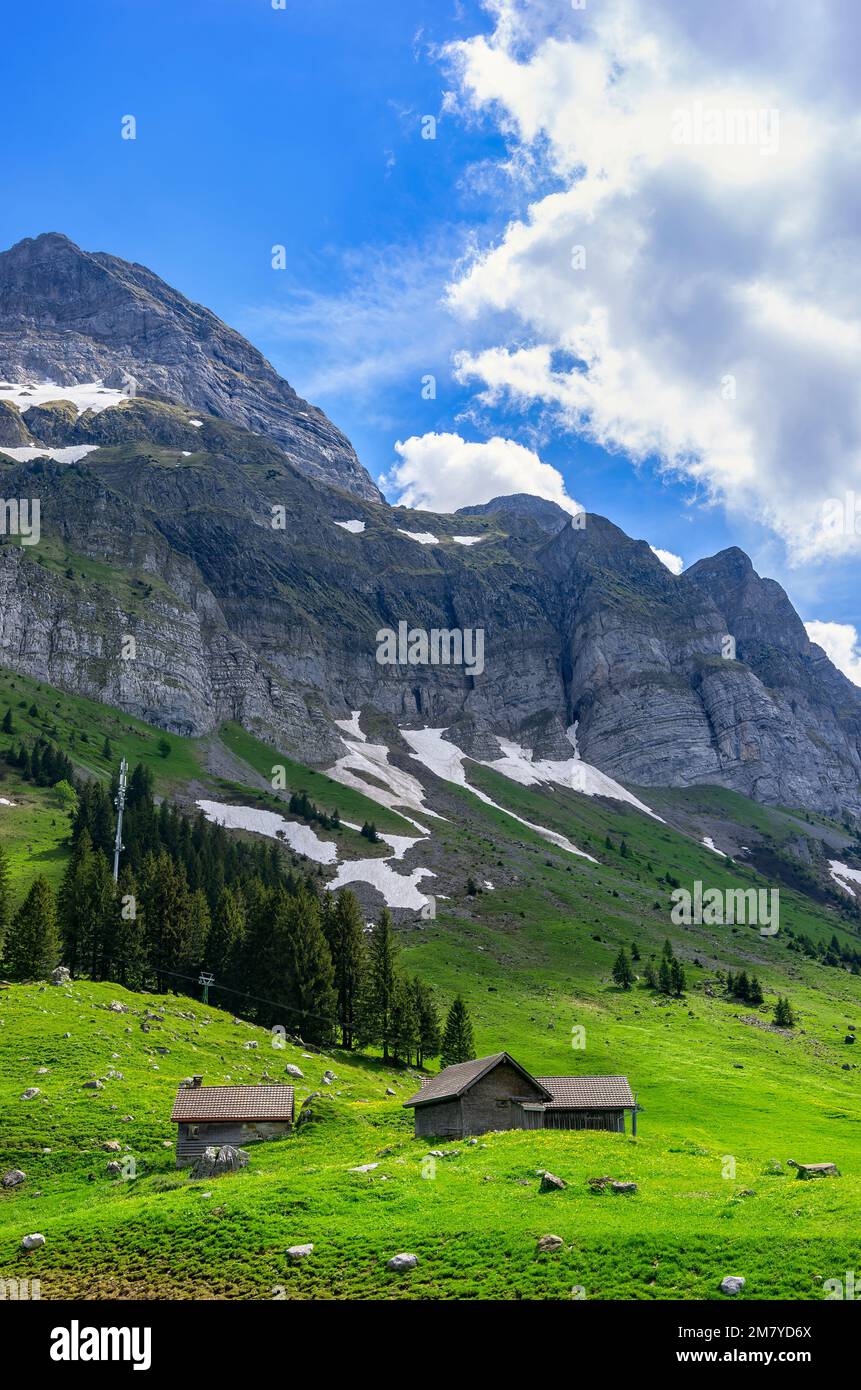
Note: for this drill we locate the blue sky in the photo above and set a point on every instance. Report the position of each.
(302, 127)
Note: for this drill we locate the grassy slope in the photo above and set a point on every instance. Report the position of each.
(473, 1218)
(713, 1087)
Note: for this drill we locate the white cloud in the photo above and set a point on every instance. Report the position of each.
(674, 563)
(441, 472)
(841, 643)
(716, 323)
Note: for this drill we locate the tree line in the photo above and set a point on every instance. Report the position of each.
(190, 899)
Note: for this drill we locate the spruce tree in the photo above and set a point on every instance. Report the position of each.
(457, 1041)
(429, 1035)
(379, 994)
(678, 982)
(405, 1021)
(783, 1015)
(622, 972)
(33, 943)
(226, 934)
(665, 977)
(310, 974)
(345, 934)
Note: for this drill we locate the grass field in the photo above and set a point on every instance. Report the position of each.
(723, 1093)
(473, 1217)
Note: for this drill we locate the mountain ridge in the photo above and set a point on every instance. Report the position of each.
(80, 316)
(275, 625)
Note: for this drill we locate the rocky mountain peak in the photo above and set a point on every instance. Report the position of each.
(73, 316)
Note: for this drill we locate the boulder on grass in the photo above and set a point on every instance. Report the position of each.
(547, 1244)
(33, 1242)
(732, 1284)
(817, 1170)
(60, 976)
(217, 1160)
(550, 1183)
(401, 1263)
(295, 1253)
(13, 1178)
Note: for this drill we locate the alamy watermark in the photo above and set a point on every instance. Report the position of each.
(416, 646)
(21, 517)
(750, 126)
(753, 907)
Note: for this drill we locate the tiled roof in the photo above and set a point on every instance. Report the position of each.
(212, 1103)
(453, 1081)
(587, 1092)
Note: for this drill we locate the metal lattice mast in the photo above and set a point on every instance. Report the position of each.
(120, 802)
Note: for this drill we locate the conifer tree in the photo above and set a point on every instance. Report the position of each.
(345, 934)
(622, 972)
(226, 934)
(405, 1021)
(457, 1042)
(783, 1015)
(379, 994)
(678, 983)
(309, 975)
(429, 1034)
(665, 976)
(33, 943)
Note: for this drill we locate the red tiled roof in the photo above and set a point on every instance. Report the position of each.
(587, 1092)
(213, 1103)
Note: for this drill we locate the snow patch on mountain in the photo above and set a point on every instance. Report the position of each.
(447, 760)
(355, 527)
(365, 765)
(300, 838)
(844, 876)
(423, 537)
(23, 453)
(518, 764)
(91, 395)
(399, 890)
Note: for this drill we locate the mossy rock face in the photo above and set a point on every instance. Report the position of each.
(52, 423)
(13, 431)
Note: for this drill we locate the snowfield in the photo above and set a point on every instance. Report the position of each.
(844, 876)
(354, 527)
(23, 453)
(301, 838)
(423, 537)
(399, 890)
(90, 395)
(710, 844)
(519, 764)
(446, 760)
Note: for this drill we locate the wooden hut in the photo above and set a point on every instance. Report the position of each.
(238, 1115)
(498, 1093)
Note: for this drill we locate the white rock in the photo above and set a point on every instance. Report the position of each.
(400, 1263)
(33, 1242)
(732, 1284)
(299, 1252)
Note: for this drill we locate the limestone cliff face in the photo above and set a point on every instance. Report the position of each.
(218, 549)
(73, 316)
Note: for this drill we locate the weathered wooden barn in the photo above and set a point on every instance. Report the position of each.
(238, 1115)
(498, 1093)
